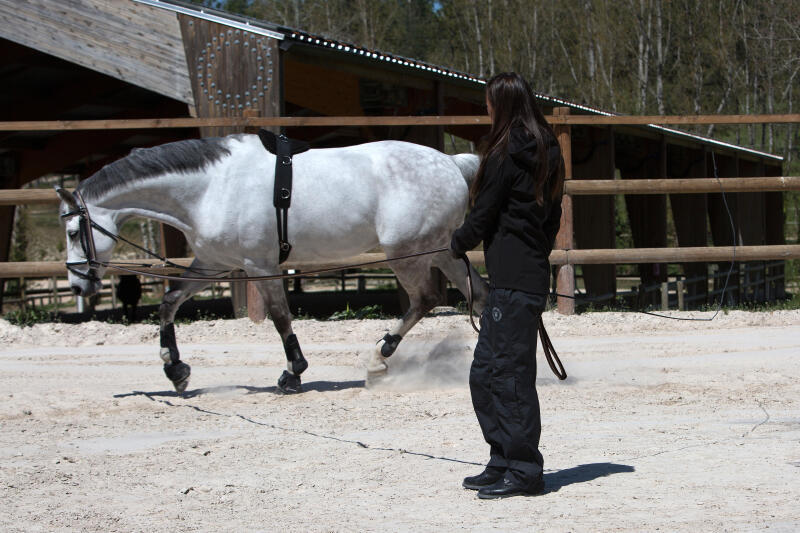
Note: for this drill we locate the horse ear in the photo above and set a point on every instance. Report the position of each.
(66, 197)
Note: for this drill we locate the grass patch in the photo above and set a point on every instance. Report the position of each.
(367, 312)
(29, 316)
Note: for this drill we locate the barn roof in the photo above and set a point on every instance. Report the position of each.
(378, 57)
(140, 42)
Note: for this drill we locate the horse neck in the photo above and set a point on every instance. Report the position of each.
(169, 199)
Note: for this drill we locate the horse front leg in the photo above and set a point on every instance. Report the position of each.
(278, 308)
(176, 370)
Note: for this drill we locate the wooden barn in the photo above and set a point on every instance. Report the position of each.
(125, 59)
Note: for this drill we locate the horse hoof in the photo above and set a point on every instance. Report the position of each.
(375, 378)
(377, 365)
(289, 383)
(180, 386)
(178, 373)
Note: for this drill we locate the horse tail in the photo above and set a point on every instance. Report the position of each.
(468, 165)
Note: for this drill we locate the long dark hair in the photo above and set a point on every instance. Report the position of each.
(513, 104)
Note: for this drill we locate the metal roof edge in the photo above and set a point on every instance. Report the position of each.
(670, 131)
(205, 14)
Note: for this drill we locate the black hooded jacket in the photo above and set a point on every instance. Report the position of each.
(517, 233)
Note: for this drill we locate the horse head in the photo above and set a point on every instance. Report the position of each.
(90, 242)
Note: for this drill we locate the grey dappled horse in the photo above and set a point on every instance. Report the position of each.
(404, 197)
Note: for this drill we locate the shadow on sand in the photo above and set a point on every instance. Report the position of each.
(554, 481)
(318, 386)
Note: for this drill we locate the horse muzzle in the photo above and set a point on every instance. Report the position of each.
(85, 288)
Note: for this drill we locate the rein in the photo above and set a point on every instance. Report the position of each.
(547, 345)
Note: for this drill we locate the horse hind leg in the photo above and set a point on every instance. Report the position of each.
(456, 272)
(419, 282)
(278, 307)
(176, 370)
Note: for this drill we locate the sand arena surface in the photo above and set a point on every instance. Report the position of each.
(682, 426)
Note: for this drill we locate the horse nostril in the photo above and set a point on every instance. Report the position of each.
(76, 290)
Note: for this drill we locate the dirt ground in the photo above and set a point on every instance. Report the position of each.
(678, 426)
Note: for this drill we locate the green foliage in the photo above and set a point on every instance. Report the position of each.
(29, 316)
(199, 315)
(789, 304)
(367, 312)
(302, 315)
(152, 318)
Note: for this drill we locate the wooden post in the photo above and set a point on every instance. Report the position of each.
(256, 309)
(239, 295)
(664, 296)
(565, 282)
(54, 279)
(256, 306)
(680, 295)
(9, 179)
(113, 292)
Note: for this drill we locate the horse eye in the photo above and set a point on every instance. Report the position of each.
(72, 234)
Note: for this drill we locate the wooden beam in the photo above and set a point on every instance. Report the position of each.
(565, 279)
(572, 187)
(683, 186)
(698, 254)
(239, 122)
(28, 196)
(35, 269)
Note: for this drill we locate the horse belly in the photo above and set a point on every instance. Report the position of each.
(347, 229)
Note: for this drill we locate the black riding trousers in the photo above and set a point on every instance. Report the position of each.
(502, 381)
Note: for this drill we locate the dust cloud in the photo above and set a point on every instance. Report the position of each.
(421, 365)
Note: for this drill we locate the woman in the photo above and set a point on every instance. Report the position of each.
(516, 211)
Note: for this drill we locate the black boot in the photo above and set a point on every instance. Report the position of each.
(489, 476)
(505, 488)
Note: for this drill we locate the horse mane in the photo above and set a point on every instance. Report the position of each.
(143, 163)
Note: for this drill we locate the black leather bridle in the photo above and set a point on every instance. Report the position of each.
(85, 225)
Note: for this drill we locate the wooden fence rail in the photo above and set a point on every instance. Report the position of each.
(444, 120)
(682, 185)
(573, 187)
(598, 256)
(561, 118)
